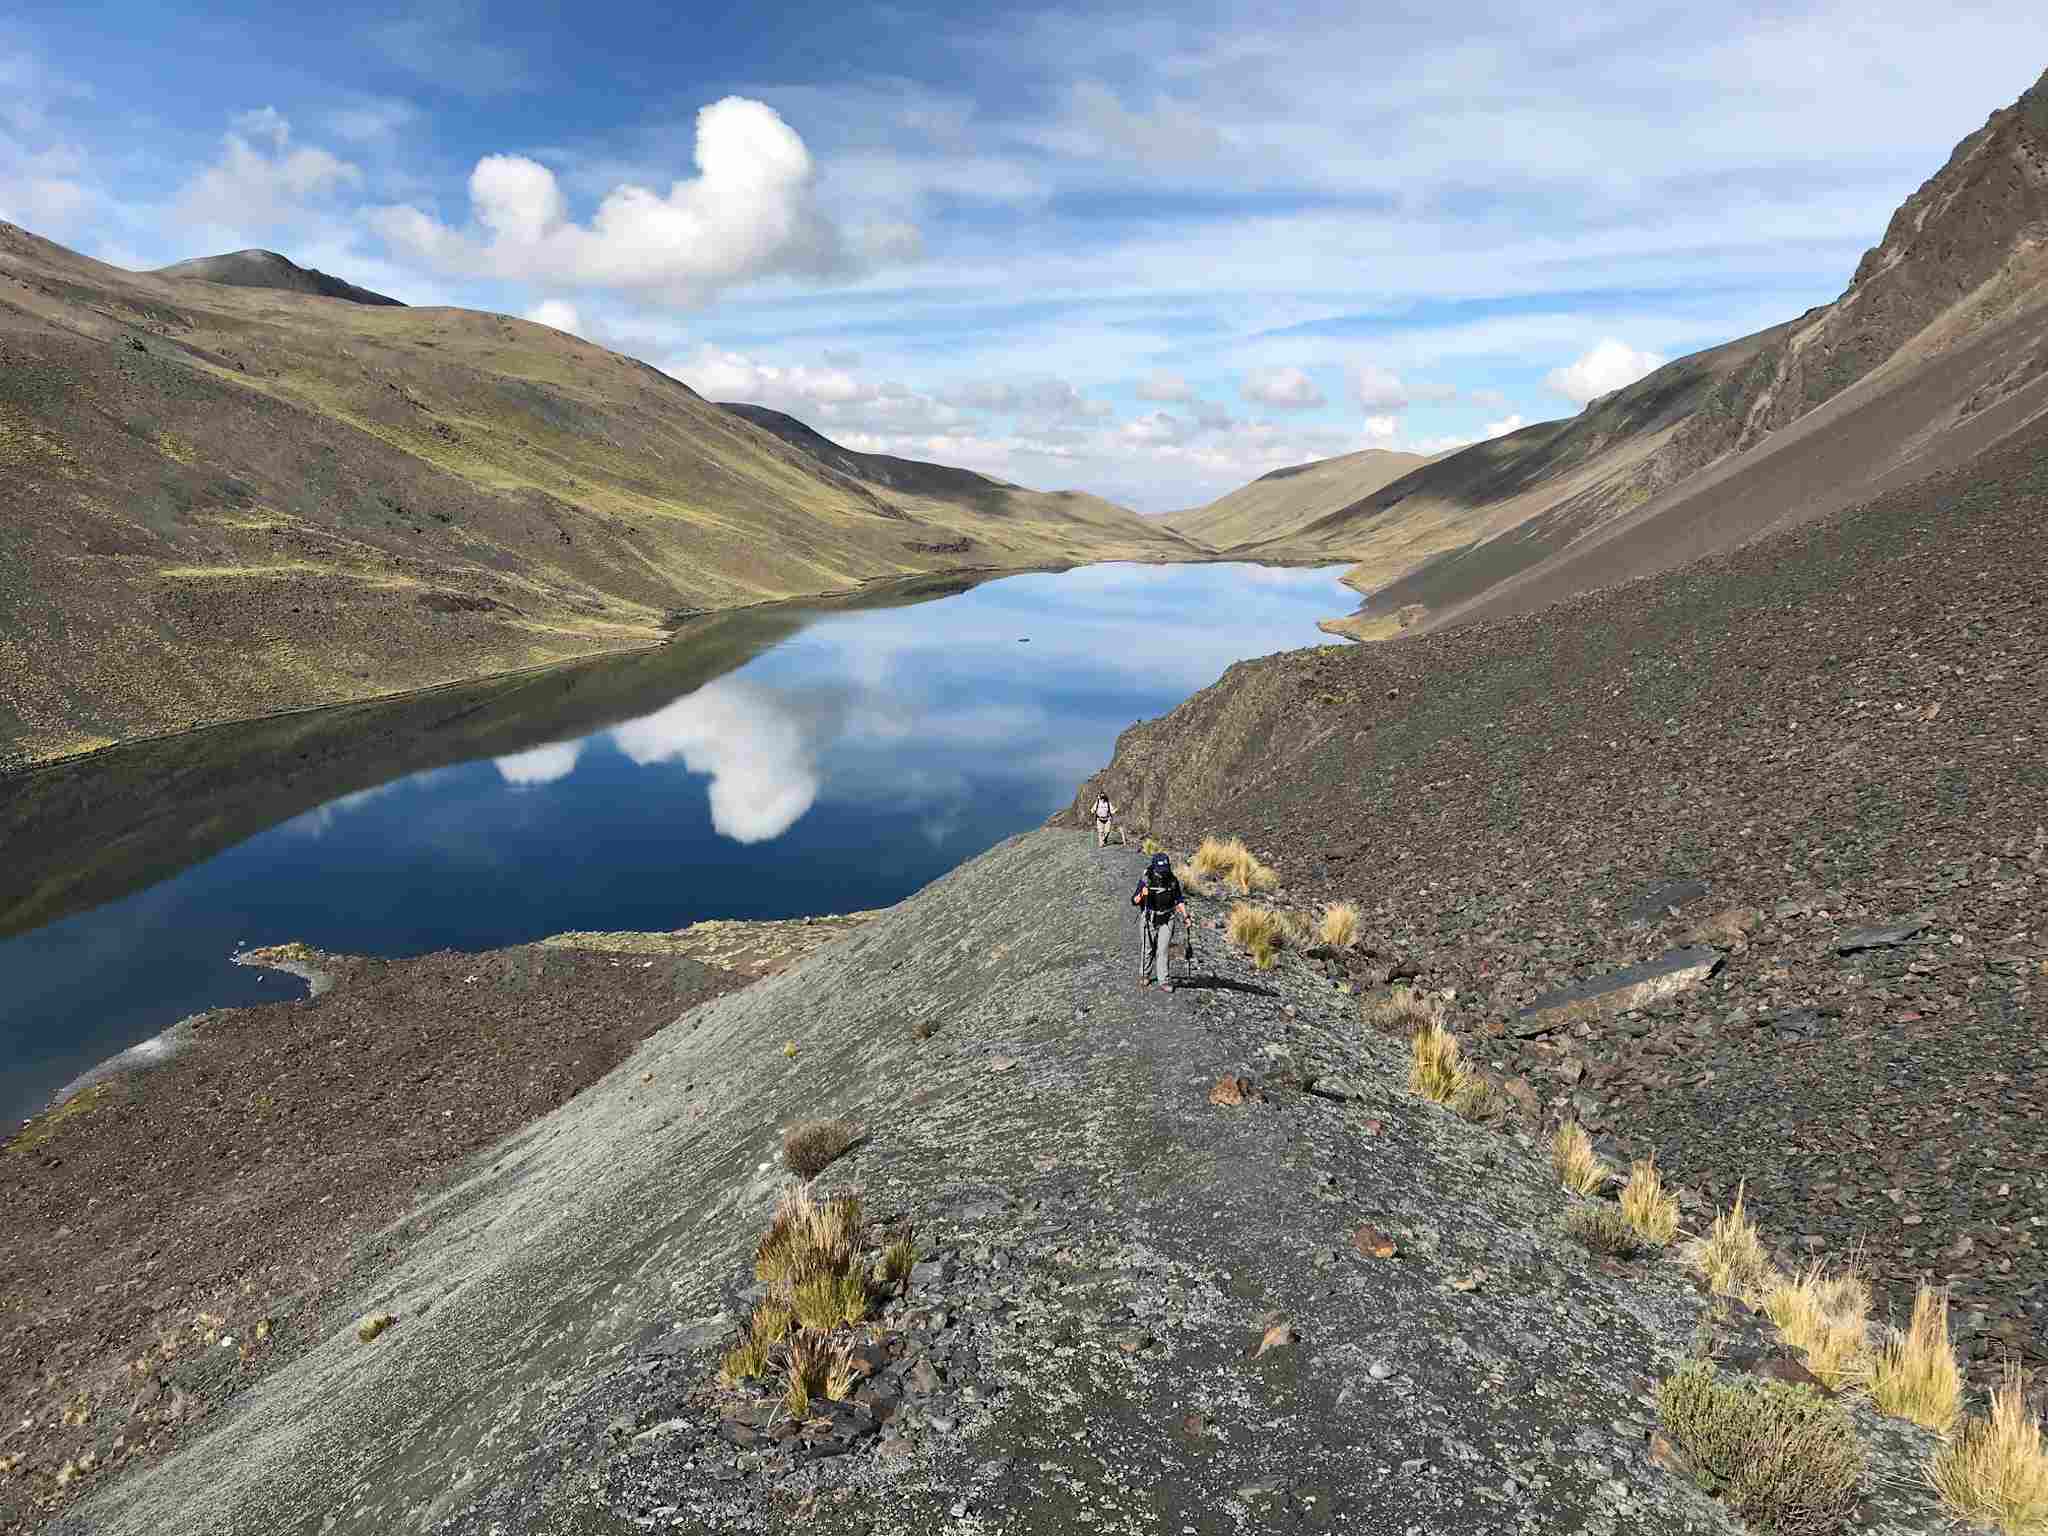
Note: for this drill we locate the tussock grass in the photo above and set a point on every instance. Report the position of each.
(1827, 1319)
(1257, 931)
(1230, 861)
(809, 1149)
(1731, 1257)
(898, 1259)
(1784, 1458)
(1650, 1208)
(1339, 925)
(807, 1369)
(1190, 878)
(772, 1322)
(1603, 1228)
(1403, 1011)
(1477, 1099)
(745, 1361)
(1915, 1375)
(1152, 845)
(1578, 1167)
(816, 1299)
(1996, 1471)
(1435, 1071)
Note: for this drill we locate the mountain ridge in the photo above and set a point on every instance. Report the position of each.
(255, 268)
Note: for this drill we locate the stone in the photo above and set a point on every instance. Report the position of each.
(1337, 1089)
(1634, 986)
(1372, 1243)
(1234, 1090)
(1889, 937)
(1276, 1337)
(1653, 903)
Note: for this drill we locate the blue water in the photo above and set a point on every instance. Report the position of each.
(842, 769)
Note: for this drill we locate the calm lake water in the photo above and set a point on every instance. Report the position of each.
(841, 767)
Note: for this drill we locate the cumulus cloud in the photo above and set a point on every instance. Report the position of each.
(749, 213)
(261, 179)
(1045, 398)
(1286, 389)
(1610, 365)
(1377, 389)
(540, 765)
(1504, 426)
(1155, 427)
(1164, 388)
(763, 771)
(557, 313)
(1382, 429)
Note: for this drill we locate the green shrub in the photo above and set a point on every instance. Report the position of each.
(1604, 1229)
(1783, 1457)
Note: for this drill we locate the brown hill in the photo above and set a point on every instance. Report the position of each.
(1936, 350)
(1778, 752)
(267, 269)
(1279, 504)
(218, 501)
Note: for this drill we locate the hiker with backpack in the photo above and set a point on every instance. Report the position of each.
(1160, 898)
(1104, 812)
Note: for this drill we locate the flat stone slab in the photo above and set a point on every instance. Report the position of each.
(1651, 905)
(1618, 991)
(1899, 932)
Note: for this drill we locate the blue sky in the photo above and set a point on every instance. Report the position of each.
(1146, 252)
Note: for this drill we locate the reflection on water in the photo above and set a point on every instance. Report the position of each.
(856, 760)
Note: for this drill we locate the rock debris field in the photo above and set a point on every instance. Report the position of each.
(1321, 1303)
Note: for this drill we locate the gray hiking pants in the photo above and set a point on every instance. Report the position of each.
(1159, 936)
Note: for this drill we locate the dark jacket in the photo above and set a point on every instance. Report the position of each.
(1162, 901)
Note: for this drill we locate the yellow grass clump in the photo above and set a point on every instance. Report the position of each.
(806, 1372)
(1190, 878)
(1579, 1169)
(1827, 1319)
(1731, 1257)
(1996, 1470)
(1434, 1069)
(1339, 925)
(1237, 866)
(1650, 1208)
(1257, 931)
(809, 1149)
(1403, 1011)
(1915, 1375)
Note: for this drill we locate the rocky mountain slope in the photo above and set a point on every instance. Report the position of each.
(1278, 505)
(217, 502)
(1820, 757)
(267, 269)
(1937, 349)
(1312, 1301)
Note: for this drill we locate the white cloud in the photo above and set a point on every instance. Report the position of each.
(540, 765)
(372, 119)
(1504, 426)
(1377, 389)
(1383, 429)
(1164, 388)
(1492, 399)
(1610, 365)
(749, 213)
(1286, 389)
(1042, 399)
(1155, 427)
(1444, 444)
(763, 770)
(261, 180)
(557, 313)
(1166, 132)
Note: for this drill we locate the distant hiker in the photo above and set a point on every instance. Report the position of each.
(1104, 812)
(1160, 898)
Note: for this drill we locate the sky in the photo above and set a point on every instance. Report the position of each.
(1146, 252)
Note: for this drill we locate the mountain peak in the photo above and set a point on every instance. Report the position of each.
(255, 268)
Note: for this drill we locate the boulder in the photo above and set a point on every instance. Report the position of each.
(1633, 986)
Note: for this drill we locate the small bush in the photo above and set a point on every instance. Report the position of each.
(1152, 845)
(1403, 1011)
(1434, 1070)
(898, 1259)
(1339, 925)
(809, 1149)
(1731, 1257)
(1256, 931)
(1578, 1167)
(1996, 1470)
(1827, 1319)
(923, 1029)
(1783, 1457)
(807, 1373)
(1650, 1208)
(1914, 1375)
(1602, 1228)
(1478, 1100)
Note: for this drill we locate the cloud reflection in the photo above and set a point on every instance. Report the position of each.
(754, 746)
(540, 765)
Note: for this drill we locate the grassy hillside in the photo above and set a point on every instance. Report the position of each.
(1280, 504)
(218, 502)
